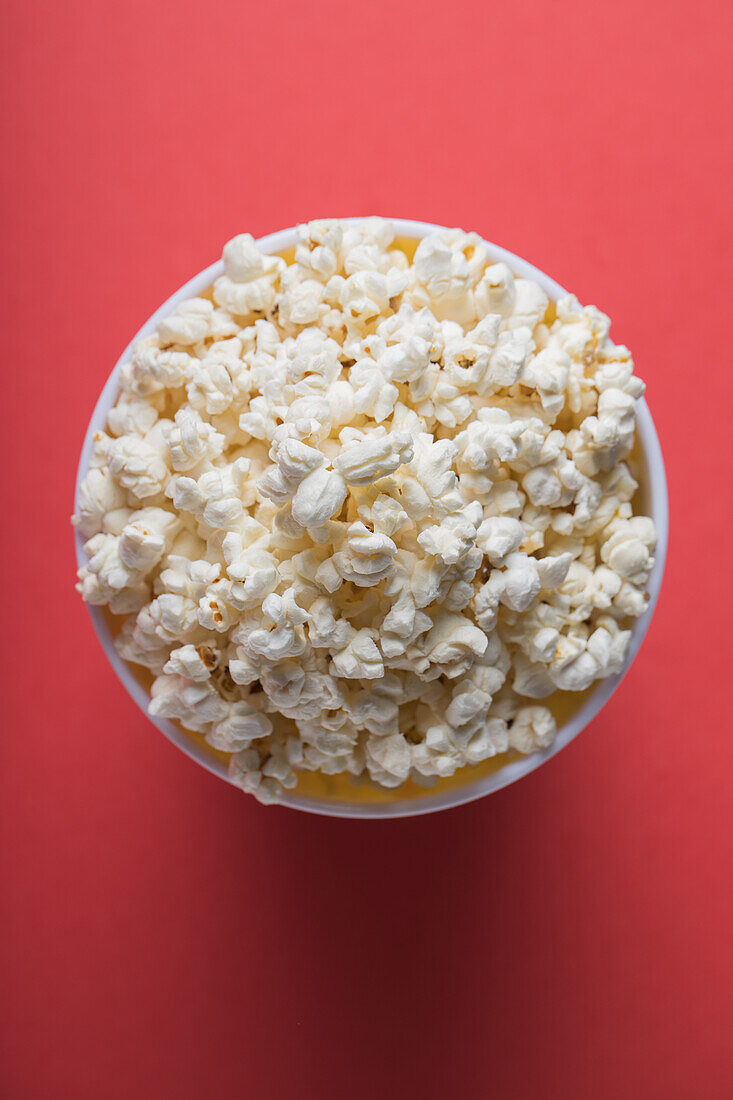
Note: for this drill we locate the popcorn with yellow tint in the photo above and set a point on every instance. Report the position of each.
(362, 514)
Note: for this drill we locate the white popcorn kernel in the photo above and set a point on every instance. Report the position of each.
(498, 537)
(453, 641)
(542, 486)
(444, 277)
(521, 582)
(575, 674)
(245, 771)
(131, 415)
(249, 285)
(189, 662)
(491, 439)
(530, 304)
(367, 294)
(213, 388)
(318, 497)
(630, 601)
(388, 759)
(328, 577)
(531, 679)
(629, 549)
(486, 601)
(385, 515)
(431, 484)
(547, 372)
(195, 705)
(322, 259)
(542, 645)
(372, 393)
(243, 260)
(99, 494)
(154, 369)
(296, 460)
(363, 463)
(219, 501)
(192, 440)
(360, 660)
(189, 324)
(216, 611)
(608, 437)
(616, 371)
(609, 645)
(301, 302)
(242, 725)
(532, 728)
(405, 361)
(367, 556)
(496, 292)
(402, 625)
(451, 540)
(138, 466)
(553, 570)
(325, 631)
(139, 549)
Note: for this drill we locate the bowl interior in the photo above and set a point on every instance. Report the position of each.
(654, 497)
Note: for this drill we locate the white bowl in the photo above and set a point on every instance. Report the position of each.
(654, 482)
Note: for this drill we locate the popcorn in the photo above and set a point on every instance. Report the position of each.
(250, 284)
(363, 463)
(154, 368)
(431, 484)
(496, 292)
(242, 259)
(371, 393)
(451, 540)
(388, 760)
(192, 662)
(629, 548)
(547, 373)
(99, 494)
(532, 728)
(360, 659)
(499, 536)
(529, 306)
(195, 705)
(317, 493)
(107, 580)
(218, 497)
(189, 324)
(216, 384)
(367, 556)
(361, 514)
(138, 465)
(140, 550)
(520, 582)
(246, 770)
(193, 441)
(131, 415)
(444, 275)
(241, 726)
(453, 642)
(280, 636)
(301, 303)
(367, 294)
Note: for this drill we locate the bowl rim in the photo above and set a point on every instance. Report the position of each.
(472, 789)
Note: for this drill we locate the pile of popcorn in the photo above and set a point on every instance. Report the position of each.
(361, 514)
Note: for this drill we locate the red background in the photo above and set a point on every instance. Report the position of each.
(164, 936)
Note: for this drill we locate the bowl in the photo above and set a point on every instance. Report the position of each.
(393, 804)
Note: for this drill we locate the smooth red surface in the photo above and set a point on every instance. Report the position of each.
(164, 936)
